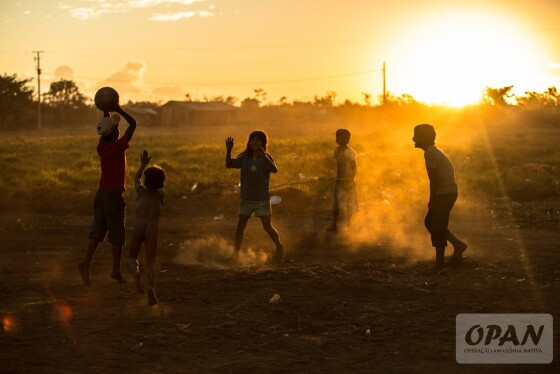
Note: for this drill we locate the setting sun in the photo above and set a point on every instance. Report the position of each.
(452, 58)
(443, 52)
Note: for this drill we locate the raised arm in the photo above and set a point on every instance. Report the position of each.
(144, 161)
(270, 164)
(131, 123)
(229, 147)
(268, 161)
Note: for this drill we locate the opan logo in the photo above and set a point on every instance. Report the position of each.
(477, 333)
(504, 338)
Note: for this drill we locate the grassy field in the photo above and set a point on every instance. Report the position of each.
(491, 159)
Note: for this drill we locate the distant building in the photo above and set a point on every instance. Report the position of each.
(193, 113)
(144, 116)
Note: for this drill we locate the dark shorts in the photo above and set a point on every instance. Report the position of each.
(437, 218)
(108, 216)
(345, 197)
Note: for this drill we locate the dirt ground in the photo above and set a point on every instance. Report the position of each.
(213, 319)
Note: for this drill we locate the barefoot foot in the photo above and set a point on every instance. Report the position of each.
(83, 268)
(152, 299)
(118, 277)
(458, 251)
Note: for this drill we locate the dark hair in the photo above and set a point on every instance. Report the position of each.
(154, 176)
(427, 131)
(259, 134)
(343, 132)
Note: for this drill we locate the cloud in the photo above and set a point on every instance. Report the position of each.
(90, 9)
(164, 17)
(86, 13)
(150, 3)
(64, 72)
(127, 78)
(169, 92)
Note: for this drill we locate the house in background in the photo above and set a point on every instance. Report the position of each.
(144, 116)
(193, 113)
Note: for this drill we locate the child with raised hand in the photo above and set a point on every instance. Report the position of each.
(109, 204)
(256, 166)
(345, 195)
(149, 202)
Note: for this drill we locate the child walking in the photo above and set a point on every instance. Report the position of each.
(149, 202)
(443, 194)
(345, 194)
(109, 204)
(256, 166)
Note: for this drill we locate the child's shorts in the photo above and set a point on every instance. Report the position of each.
(345, 197)
(260, 208)
(108, 216)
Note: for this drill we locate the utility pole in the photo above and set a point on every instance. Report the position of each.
(38, 59)
(384, 88)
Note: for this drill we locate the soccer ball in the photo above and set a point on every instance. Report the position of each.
(106, 99)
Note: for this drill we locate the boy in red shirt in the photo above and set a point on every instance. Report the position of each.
(109, 205)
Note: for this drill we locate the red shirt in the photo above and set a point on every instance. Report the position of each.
(113, 164)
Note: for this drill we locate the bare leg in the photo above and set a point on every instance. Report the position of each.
(117, 249)
(273, 233)
(440, 253)
(132, 263)
(348, 219)
(83, 266)
(458, 246)
(151, 250)
(240, 230)
(333, 226)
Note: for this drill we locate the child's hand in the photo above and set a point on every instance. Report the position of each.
(145, 157)
(229, 143)
(260, 152)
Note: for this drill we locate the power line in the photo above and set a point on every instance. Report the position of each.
(213, 48)
(262, 46)
(230, 83)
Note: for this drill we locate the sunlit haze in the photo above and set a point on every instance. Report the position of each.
(443, 52)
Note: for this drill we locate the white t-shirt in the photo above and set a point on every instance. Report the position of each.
(345, 158)
(436, 159)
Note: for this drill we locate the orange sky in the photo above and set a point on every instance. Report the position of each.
(438, 51)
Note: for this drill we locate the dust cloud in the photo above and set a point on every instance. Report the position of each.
(218, 253)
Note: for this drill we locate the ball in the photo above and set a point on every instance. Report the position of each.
(106, 99)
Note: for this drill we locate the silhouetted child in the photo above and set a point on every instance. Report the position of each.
(109, 205)
(345, 194)
(256, 166)
(443, 194)
(149, 201)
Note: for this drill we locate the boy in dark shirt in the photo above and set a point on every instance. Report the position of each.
(109, 205)
(443, 194)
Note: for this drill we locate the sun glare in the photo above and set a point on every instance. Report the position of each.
(450, 60)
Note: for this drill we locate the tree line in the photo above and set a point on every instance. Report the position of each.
(64, 104)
